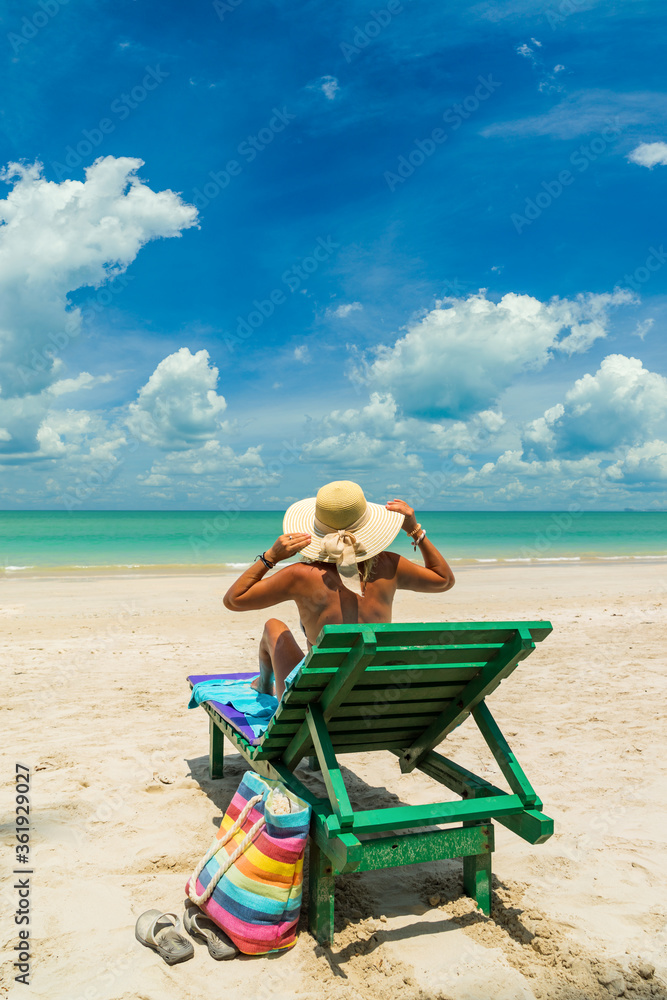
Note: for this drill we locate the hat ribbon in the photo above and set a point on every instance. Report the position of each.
(341, 546)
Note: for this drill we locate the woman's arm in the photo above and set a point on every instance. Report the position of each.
(435, 576)
(251, 591)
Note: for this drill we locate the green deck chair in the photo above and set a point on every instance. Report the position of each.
(400, 688)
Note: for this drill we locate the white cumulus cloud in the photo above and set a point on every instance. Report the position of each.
(179, 406)
(79, 434)
(20, 419)
(211, 467)
(302, 354)
(525, 50)
(59, 237)
(344, 310)
(622, 404)
(329, 86)
(82, 381)
(358, 450)
(67, 441)
(511, 477)
(649, 154)
(464, 353)
(603, 442)
(645, 463)
(379, 436)
(382, 418)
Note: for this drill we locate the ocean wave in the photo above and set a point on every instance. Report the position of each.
(558, 559)
(97, 566)
(234, 568)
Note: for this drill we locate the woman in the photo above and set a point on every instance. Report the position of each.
(347, 575)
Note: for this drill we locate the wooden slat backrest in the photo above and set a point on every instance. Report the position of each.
(433, 663)
(428, 633)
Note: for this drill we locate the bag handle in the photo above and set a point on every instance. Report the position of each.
(221, 843)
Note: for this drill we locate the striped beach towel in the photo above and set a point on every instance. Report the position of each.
(257, 900)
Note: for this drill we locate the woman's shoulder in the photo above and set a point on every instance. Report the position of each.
(385, 565)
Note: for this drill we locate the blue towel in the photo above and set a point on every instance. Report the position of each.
(258, 708)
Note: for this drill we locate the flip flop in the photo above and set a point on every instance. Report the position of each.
(200, 926)
(160, 931)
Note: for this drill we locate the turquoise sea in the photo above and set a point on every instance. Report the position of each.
(36, 540)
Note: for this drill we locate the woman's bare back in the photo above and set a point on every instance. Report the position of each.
(323, 599)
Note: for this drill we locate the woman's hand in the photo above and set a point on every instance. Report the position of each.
(286, 546)
(410, 522)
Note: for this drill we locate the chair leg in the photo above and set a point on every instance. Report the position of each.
(313, 763)
(477, 880)
(216, 750)
(321, 893)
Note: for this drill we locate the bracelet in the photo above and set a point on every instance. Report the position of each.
(269, 565)
(411, 534)
(418, 541)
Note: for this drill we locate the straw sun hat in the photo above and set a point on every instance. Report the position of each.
(345, 528)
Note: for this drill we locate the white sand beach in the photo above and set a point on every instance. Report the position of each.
(94, 701)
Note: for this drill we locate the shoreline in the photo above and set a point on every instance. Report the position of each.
(233, 571)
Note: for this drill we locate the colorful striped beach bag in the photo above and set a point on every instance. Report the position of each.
(250, 881)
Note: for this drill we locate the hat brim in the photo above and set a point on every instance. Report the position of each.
(377, 532)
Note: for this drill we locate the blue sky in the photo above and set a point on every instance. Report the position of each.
(271, 244)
